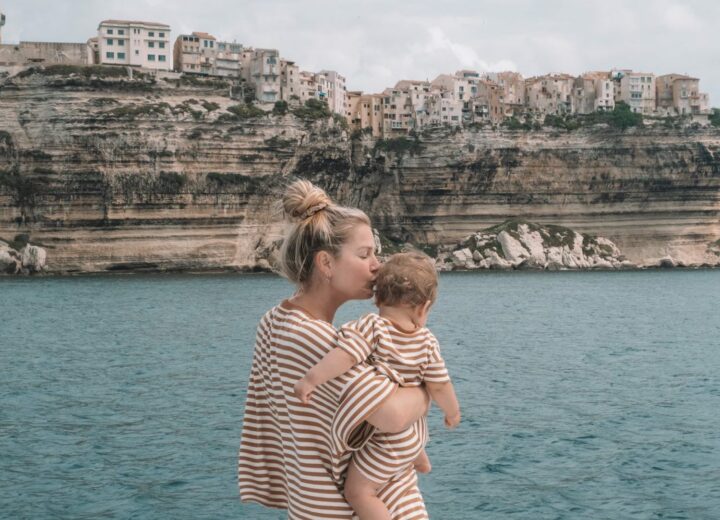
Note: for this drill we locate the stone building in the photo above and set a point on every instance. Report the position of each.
(549, 94)
(637, 89)
(365, 111)
(335, 90)
(679, 94)
(289, 81)
(135, 43)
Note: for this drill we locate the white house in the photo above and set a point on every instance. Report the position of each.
(141, 44)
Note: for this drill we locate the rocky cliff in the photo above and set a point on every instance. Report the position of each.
(109, 172)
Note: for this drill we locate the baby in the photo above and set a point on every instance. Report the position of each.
(399, 345)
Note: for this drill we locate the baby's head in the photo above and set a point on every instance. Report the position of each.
(406, 280)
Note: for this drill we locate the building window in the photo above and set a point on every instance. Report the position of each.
(151, 34)
(151, 44)
(161, 35)
(110, 42)
(110, 55)
(137, 53)
(161, 45)
(151, 57)
(121, 42)
(121, 55)
(109, 31)
(161, 57)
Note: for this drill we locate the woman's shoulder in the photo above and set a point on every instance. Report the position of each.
(291, 317)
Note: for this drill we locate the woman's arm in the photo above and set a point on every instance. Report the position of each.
(335, 363)
(444, 395)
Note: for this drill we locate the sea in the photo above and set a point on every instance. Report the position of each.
(585, 395)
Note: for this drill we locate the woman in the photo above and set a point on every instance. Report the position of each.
(292, 455)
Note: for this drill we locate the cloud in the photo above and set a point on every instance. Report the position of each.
(678, 17)
(464, 55)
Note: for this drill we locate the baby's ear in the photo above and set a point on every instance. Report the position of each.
(426, 306)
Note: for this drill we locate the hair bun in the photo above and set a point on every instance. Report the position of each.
(303, 199)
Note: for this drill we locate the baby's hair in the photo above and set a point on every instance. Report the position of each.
(406, 279)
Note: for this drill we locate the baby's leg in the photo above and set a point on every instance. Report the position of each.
(361, 494)
(422, 463)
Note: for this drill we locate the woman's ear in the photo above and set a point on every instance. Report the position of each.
(324, 262)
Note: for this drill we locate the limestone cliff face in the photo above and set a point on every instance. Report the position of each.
(119, 173)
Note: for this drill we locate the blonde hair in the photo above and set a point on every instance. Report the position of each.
(320, 225)
(406, 279)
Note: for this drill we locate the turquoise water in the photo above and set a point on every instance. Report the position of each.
(585, 395)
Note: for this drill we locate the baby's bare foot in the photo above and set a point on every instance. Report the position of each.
(422, 463)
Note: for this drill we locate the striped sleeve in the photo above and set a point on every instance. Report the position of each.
(435, 371)
(356, 338)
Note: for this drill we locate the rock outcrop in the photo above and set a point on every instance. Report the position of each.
(111, 172)
(524, 245)
(28, 259)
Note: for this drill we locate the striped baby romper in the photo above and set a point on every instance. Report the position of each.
(406, 357)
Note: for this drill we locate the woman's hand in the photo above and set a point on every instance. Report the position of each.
(451, 421)
(304, 390)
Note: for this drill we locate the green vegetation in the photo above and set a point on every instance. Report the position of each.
(513, 123)
(209, 105)
(278, 142)
(341, 121)
(18, 242)
(191, 80)
(131, 111)
(358, 133)
(715, 117)
(103, 101)
(280, 108)
(241, 112)
(6, 139)
(170, 182)
(23, 189)
(313, 110)
(97, 71)
(229, 180)
(399, 145)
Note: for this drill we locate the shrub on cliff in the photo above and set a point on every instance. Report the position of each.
(313, 110)
(715, 117)
(209, 105)
(280, 108)
(341, 121)
(87, 71)
(132, 110)
(513, 123)
(240, 112)
(399, 145)
(622, 117)
(170, 182)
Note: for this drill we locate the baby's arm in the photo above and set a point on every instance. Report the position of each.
(335, 363)
(444, 395)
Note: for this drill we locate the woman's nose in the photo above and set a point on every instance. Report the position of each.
(375, 264)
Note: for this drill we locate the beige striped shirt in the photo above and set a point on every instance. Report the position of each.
(287, 457)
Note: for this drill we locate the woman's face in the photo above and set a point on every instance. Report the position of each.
(355, 269)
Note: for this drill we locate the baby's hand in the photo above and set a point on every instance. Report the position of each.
(451, 421)
(303, 390)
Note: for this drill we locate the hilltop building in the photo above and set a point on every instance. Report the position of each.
(134, 43)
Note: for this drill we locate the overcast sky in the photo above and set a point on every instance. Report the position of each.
(376, 43)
